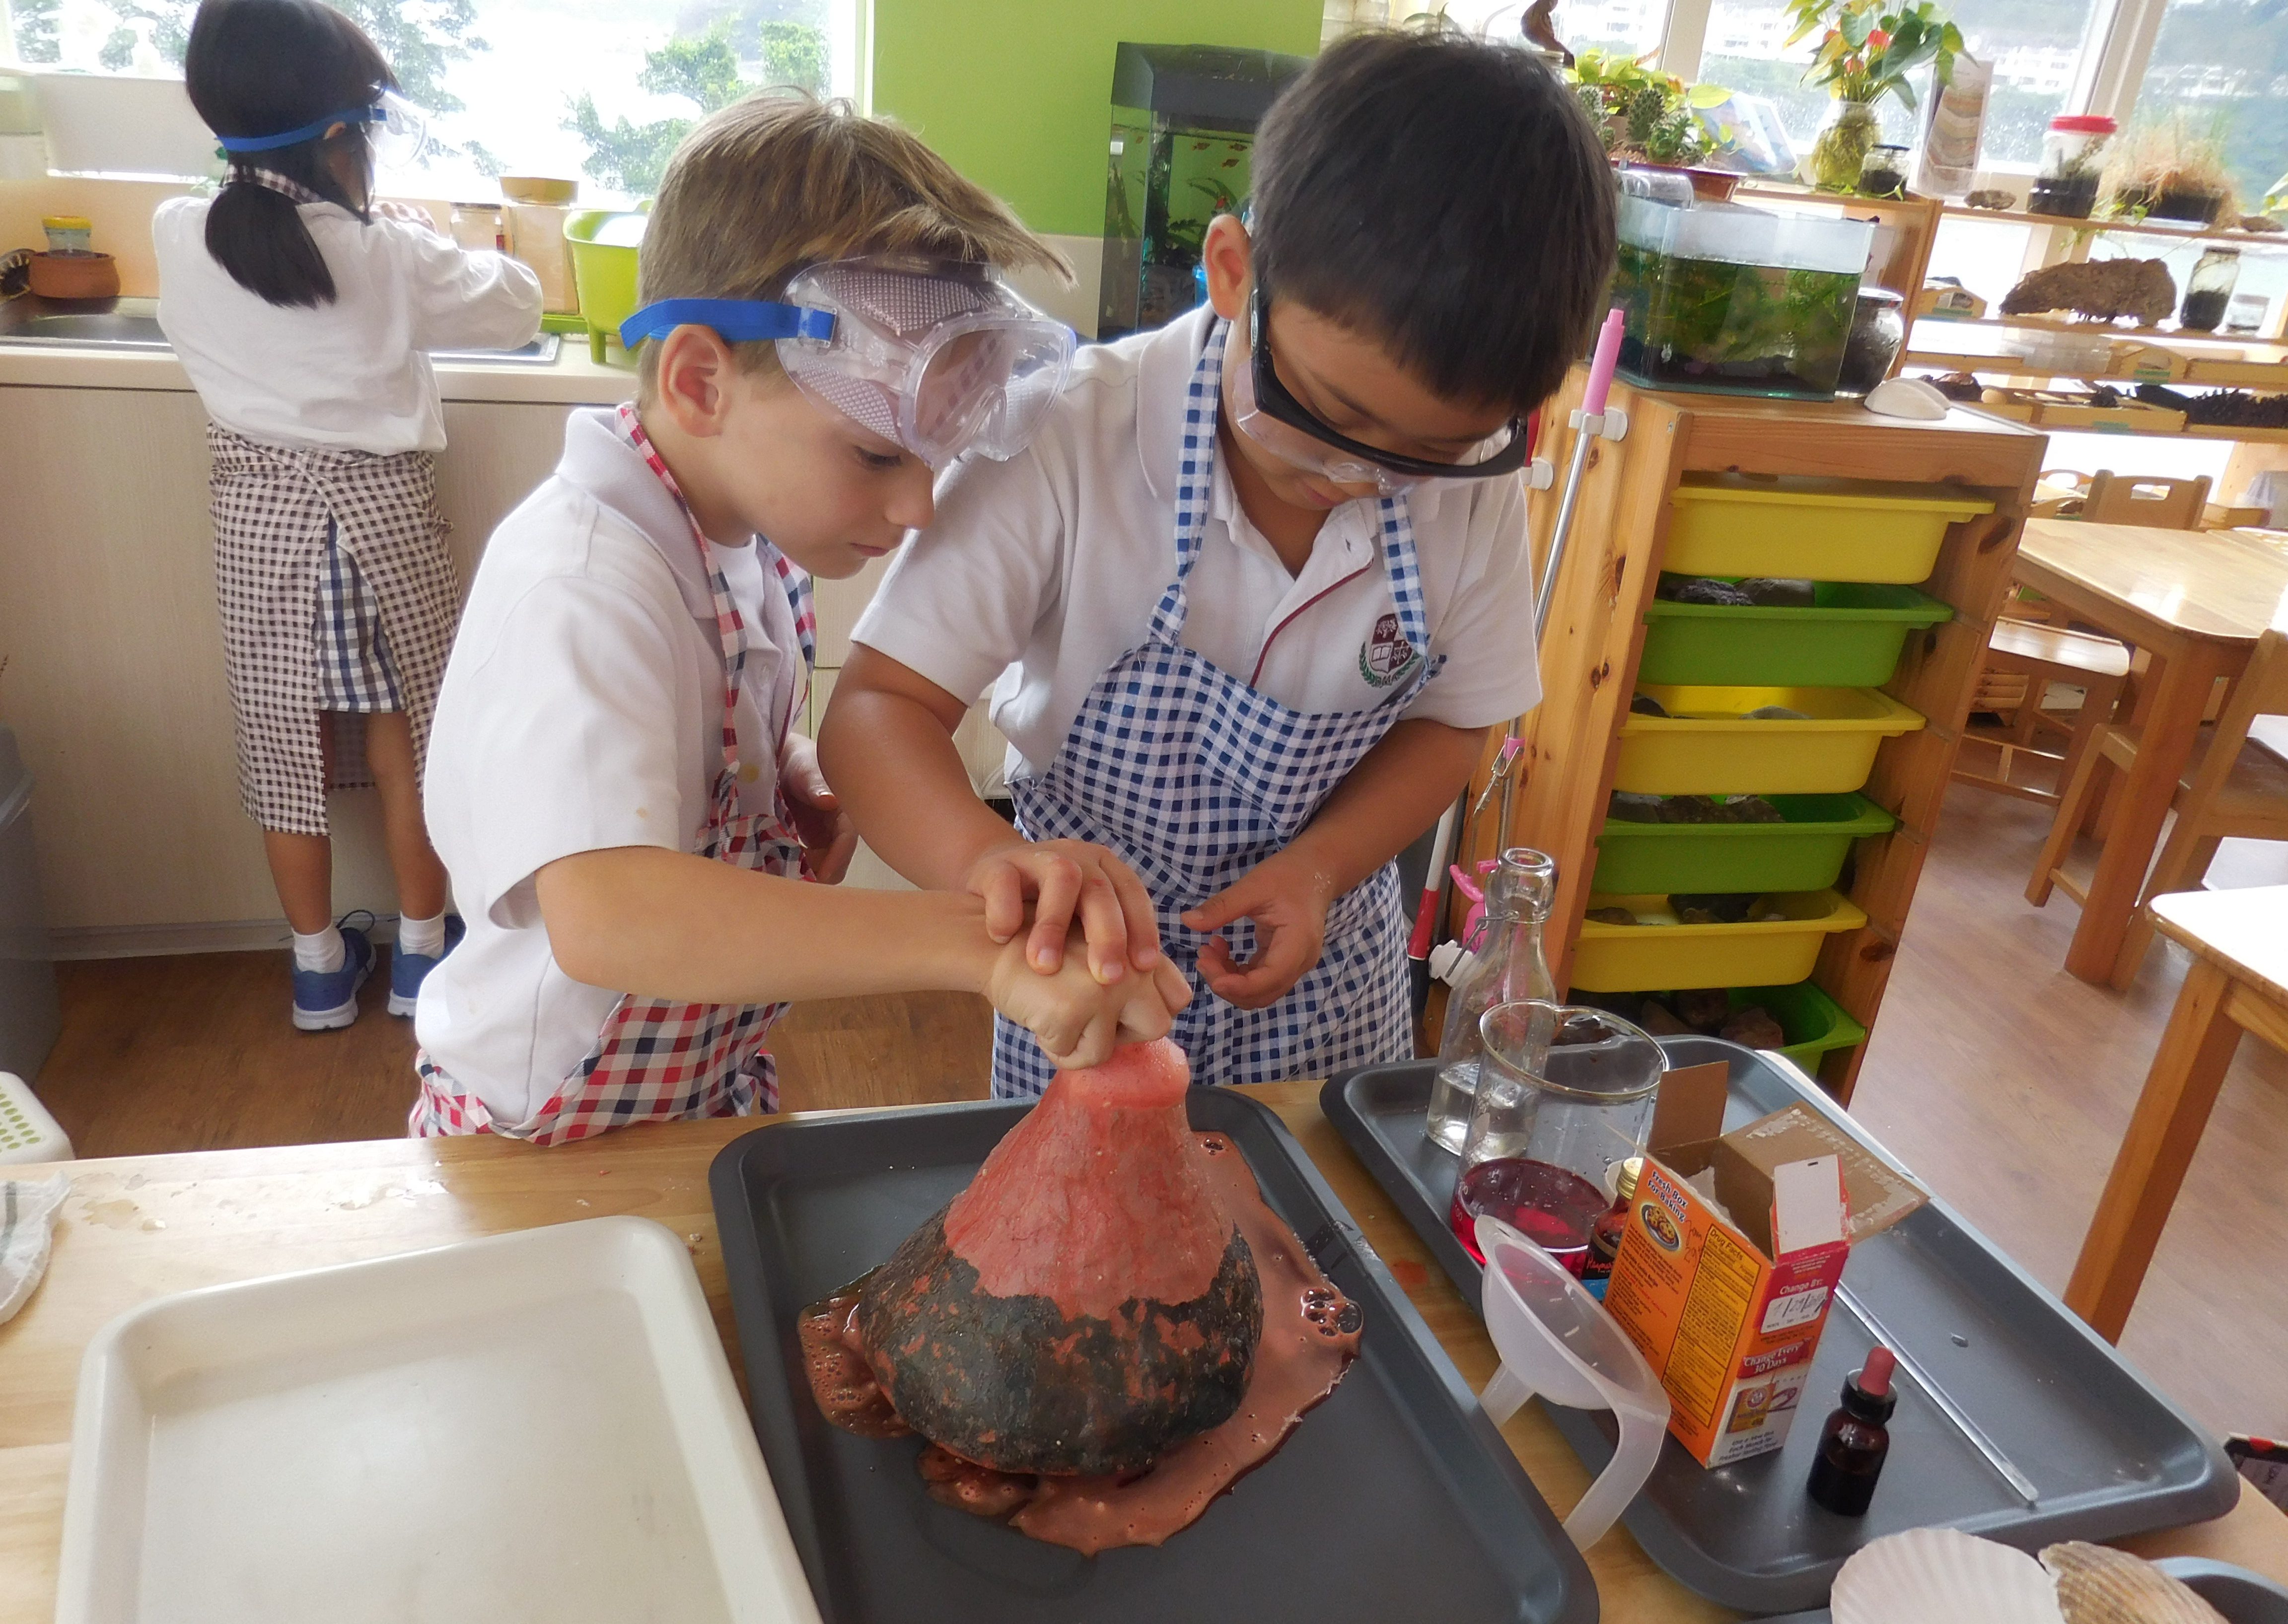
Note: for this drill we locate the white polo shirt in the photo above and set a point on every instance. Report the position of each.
(353, 374)
(582, 710)
(1044, 570)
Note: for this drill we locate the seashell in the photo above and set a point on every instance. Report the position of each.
(1939, 1576)
(2098, 1585)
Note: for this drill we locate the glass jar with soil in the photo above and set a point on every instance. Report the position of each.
(2073, 159)
(1730, 300)
(2208, 292)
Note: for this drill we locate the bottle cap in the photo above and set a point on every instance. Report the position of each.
(1874, 1377)
(1625, 1188)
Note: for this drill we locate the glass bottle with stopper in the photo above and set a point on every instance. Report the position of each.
(1508, 965)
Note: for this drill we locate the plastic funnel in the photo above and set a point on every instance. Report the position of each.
(1556, 1340)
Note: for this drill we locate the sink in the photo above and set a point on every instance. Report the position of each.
(108, 324)
(133, 324)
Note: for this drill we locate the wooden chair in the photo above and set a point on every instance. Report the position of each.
(2227, 790)
(2022, 660)
(2145, 499)
(2238, 982)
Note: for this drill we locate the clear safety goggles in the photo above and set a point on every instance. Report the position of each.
(1264, 410)
(394, 129)
(937, 357)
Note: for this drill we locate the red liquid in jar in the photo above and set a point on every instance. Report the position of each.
(1551, 1206)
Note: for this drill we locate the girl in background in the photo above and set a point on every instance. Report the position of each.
(301, 314)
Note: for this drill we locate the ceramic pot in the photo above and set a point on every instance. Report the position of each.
(1839, 150)
(75, 276)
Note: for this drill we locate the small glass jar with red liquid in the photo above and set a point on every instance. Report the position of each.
(1564, 1095)
(1856, 1440)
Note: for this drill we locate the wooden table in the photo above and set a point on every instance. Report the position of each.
(2238, 982)
(140, 1226)
(2196, 601)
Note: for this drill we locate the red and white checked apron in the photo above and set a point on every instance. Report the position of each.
(655, 1060)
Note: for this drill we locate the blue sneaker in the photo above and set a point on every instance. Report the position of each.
(326, 1001)
(408, 971)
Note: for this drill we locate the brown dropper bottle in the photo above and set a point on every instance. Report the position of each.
(1854, 1442)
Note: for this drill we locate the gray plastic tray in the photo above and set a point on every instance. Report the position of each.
(2241, 1596)
(2103, 1453)
(1396, 1498)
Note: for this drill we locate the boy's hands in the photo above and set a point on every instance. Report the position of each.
(1078, 1018)
(1288, 899)
(1067, 883)
(828, 839)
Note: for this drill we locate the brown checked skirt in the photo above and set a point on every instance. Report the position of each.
(338, 599)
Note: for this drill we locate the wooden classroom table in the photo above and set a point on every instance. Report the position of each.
(138, 1227)
(2196, 601)
(2238, 983)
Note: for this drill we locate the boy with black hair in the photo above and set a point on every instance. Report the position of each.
(1256, 715)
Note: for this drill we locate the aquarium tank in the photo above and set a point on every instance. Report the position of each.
(1183, 126)
(1735, 300)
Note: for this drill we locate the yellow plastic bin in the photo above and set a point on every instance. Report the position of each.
(1658, 953)
(1707, 745)
(603, 243)
(1817, 528)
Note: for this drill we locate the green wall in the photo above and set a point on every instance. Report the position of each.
(1017, 94)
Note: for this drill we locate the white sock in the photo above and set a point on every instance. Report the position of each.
(324, 951)
(426, 936)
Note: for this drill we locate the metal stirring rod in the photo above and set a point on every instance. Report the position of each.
(1969, 1429)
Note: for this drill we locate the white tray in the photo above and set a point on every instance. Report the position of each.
(538, 1426)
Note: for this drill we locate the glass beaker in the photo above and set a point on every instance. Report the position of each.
(1565, 1095)
(1508, 964)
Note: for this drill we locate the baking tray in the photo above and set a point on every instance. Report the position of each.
(539, 1425)
(1396, 1498)
(2103, 1453)
(2241, 1596)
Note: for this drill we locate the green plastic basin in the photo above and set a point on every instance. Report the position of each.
(1849, 638)
(1804, 853)
(1813, 1022)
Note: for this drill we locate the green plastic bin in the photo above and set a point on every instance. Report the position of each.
(1804, 853)
(1849, 638)
(1813, 1022)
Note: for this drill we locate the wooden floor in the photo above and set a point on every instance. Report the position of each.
(2004, 1083)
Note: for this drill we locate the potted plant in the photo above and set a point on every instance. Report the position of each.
(2163, 171)
(1643, 114)
(1867, 49)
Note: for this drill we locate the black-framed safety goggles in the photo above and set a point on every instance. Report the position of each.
(1511, 446)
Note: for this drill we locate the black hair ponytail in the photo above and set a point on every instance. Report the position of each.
(256, 68)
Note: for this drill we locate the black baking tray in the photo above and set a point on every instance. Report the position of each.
(1396, 1498)
(2106, 1452)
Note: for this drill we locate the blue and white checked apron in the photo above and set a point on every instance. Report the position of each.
(1193, 778)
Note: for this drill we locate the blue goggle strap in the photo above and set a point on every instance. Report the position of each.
(734, 321)
(307, 132)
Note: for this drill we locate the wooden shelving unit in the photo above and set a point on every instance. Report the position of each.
(2142, 229)
(1596, 629)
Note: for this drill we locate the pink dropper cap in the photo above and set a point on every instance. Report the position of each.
(1875, 1377)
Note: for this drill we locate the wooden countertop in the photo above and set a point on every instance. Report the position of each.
(139, 1227)
(2207, 586)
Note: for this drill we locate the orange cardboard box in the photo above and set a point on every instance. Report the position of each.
(1728, 1305)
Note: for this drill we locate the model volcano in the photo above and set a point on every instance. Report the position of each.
(1088, 1302)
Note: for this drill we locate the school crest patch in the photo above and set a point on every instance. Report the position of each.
(1387, 656)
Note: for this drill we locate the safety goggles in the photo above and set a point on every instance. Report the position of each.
(394, 129)
(938, 357)
(1262, 409)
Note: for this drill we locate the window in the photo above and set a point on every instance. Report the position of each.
(1629, 27)
(2035, 48)
(598, 88)
(2219, 73)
